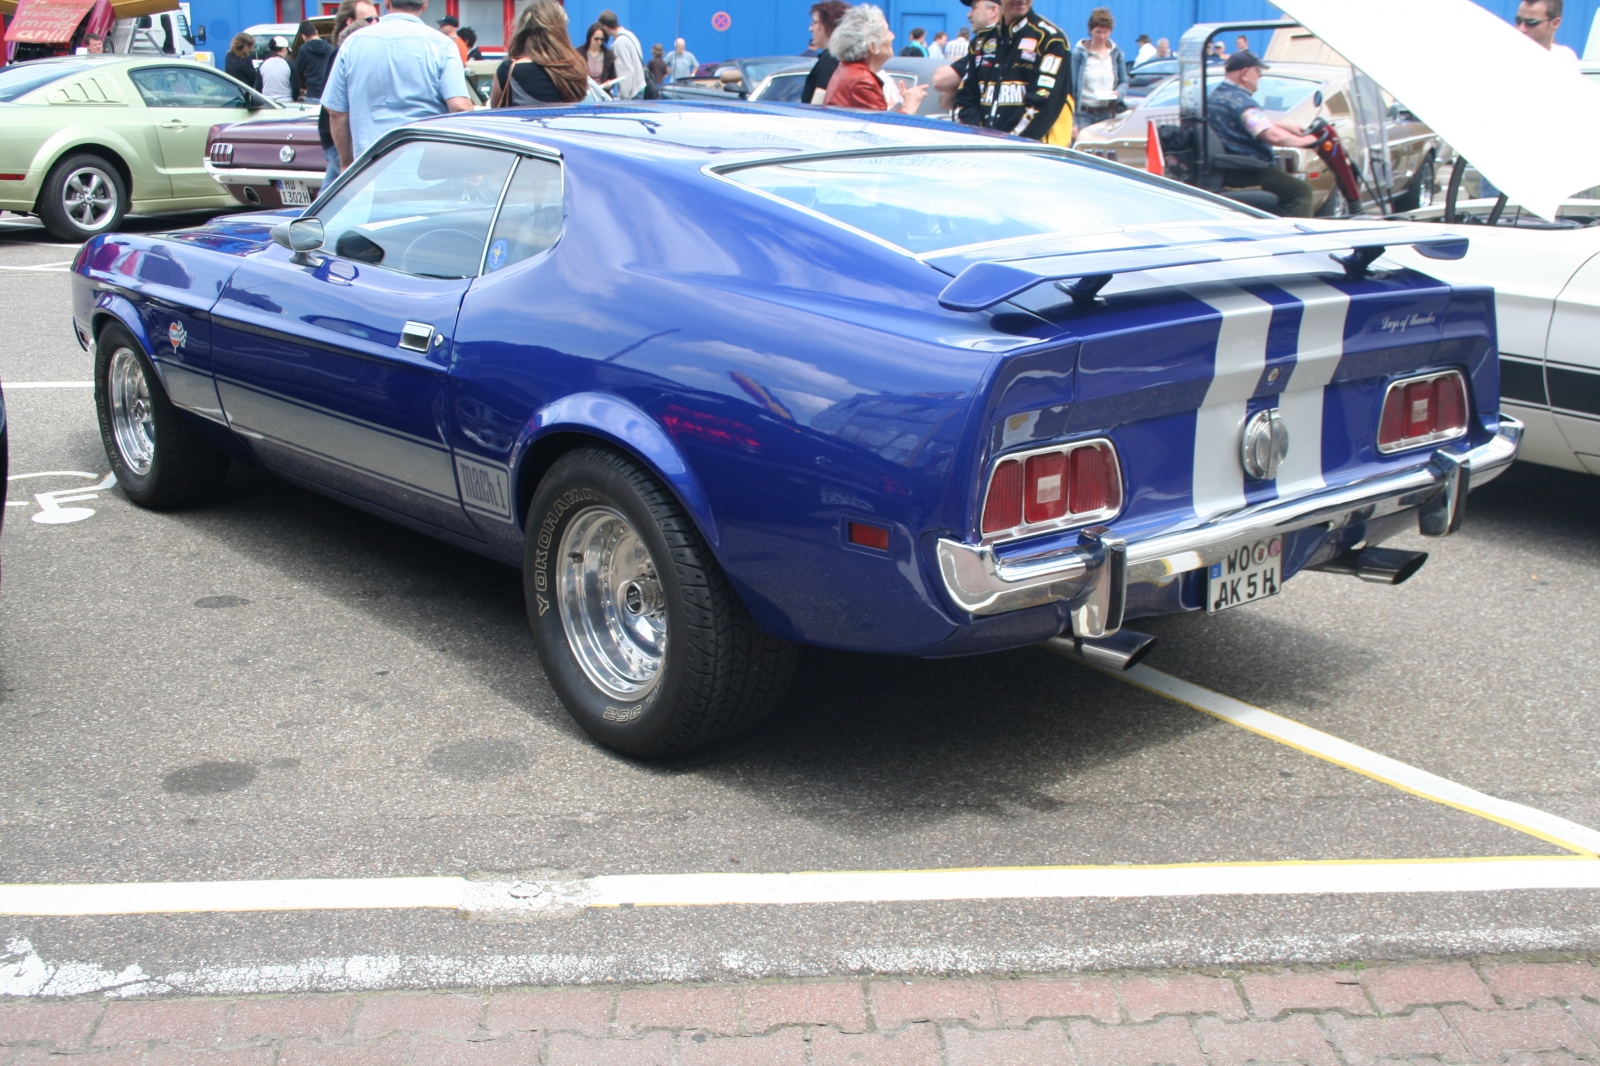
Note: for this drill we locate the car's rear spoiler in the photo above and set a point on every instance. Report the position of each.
(983, 284)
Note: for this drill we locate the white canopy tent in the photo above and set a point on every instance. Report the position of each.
(1526, 120)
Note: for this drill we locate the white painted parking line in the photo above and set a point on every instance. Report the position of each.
(41, 268)
(1546, 826)
(489, 898)
(9, 385)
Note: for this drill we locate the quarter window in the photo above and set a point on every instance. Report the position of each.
(187, 87)
(423, 207)
(530, 220)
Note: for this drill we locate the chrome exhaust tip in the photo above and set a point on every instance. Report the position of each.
(1121, 650)
(251, 195)
(1381, 566)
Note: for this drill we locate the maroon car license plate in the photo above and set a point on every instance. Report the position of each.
(294, 193)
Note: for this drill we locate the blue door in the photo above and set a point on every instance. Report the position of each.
(335, 368)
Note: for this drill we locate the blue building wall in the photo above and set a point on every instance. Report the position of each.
(779, 27)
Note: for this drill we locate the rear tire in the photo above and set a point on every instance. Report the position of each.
(1421, 190)
(1335, 206)
(639, 631)
(83, 196)
(160, 460)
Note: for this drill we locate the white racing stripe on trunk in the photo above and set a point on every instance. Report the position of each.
(1240, 360)
(531, 898)
(1320, 347)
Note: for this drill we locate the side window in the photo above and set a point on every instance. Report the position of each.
(530, 220)
(1339, 105)
(186, 87)
(423, 207)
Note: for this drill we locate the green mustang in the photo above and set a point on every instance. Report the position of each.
(86, 139)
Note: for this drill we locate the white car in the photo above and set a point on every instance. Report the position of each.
(1546, 279)
(1547, 297)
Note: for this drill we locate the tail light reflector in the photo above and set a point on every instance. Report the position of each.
(1003, 509)
(1067, 485)
(868, 535)
(1095, 484)
(1422, 411)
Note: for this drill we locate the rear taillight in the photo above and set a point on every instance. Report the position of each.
(222, 153)
(1423, 411)
(1069, 485)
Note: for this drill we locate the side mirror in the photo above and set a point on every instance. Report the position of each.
(199, 35)
(300, 235)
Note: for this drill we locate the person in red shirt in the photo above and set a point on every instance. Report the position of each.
(863, 43)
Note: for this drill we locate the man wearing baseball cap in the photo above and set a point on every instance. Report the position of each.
(1018, 74)
(448, 26)
(1244, 129)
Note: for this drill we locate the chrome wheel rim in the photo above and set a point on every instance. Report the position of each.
(133, 424)
(89, 198)
(611, 604)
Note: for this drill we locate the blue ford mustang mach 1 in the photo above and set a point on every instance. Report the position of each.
(724, 380)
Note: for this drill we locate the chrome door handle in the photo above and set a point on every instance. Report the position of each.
(416, 337)
(174, 124)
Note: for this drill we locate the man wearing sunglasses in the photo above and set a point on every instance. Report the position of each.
(1539, 20)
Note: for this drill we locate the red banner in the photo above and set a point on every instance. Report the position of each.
(47, 23)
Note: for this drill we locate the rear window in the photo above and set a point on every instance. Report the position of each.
(935, 201)
(22, 78)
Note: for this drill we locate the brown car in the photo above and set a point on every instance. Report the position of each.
(269, 162)
(1298, 92)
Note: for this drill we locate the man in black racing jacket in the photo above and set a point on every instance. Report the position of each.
(1018, 77)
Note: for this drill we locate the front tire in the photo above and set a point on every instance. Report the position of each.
(83, 196)
(160, 460)
(638, 629)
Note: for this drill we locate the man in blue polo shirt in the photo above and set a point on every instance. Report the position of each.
(1244, 129)
(394, 72)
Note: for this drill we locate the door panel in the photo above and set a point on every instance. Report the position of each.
(336, 367)
(309, 368)
(1572, 361)
(184, 103)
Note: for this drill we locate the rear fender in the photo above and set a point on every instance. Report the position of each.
(614, 420)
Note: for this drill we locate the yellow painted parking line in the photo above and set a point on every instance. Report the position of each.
(487, 898)
(1545, 826)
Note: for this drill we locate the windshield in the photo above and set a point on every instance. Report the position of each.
(940, 200)
(22, 78)
(757, 69)
(1275, 93)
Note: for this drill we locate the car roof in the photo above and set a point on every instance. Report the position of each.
(699, 133)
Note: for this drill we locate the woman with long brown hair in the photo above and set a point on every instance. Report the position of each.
(541, 66)
(241, 61)
(602, 64)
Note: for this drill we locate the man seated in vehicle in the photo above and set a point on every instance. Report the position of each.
(1244, 129)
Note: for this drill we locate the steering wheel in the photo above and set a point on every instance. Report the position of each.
(451, 249)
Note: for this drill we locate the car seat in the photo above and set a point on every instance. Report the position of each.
(1220, 164)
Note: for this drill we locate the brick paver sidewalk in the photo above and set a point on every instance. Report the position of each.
(1533, 1013)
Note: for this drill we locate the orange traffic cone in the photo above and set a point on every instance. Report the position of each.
(1154, 161)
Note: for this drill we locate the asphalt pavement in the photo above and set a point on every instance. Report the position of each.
(273, 685)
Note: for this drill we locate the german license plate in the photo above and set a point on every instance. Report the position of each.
(294, 193)
(1248, 574)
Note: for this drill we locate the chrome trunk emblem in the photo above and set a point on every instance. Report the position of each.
(1266, 442)
(286, 154)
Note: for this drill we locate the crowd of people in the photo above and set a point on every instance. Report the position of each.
(1012, 70)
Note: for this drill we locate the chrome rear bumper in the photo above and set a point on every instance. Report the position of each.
(1093, 576)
